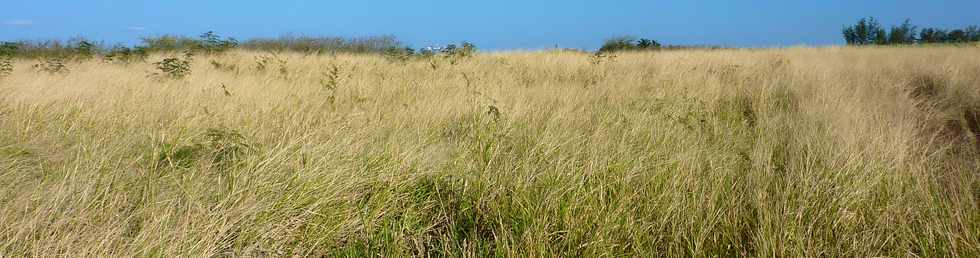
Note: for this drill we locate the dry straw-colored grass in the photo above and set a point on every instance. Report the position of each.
(793, 152)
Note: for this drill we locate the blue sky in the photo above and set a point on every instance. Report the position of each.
(501, 24)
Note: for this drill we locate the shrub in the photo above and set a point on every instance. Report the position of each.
(175, 67)
(454, 53)
(399, 55)
(308, 44)
(125, 55)
(623, 43)
(647, 43)
(207, 43)
(78, 48)
(466, 49)
(168, 43)
(85, 49)
(226, 146)
(9, 49)
(330, 82)
(331, 78)
(617, 43)
(449, 49)
(211, 43)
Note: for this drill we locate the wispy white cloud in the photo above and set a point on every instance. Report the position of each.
(19, 22)
(136, 28)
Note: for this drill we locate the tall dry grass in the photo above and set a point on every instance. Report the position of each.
(792, 152)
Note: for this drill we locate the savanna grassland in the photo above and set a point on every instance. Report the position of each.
(852, 152)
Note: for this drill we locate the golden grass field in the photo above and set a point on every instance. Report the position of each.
(854, 152)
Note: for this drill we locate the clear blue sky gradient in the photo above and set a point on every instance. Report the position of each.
(501, 24)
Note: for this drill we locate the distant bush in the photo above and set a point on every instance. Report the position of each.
(396, 54)
(174, 67)
(85, 50)
(450, 52)
(307, 44)
(9, 49)
(624, 43)
(211, 43)
(168, 43)
(629, 43)
(81, 48)
(207, 43)
(685, 47)
(465, 49)
(77, 48)
(125, 55)
(935, 35)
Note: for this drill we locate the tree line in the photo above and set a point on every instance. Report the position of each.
(208, 42)
(868, 31)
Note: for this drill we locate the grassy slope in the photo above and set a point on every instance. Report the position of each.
(822, 152)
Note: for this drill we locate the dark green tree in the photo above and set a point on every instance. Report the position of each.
(932, 35)
(647, 44)
(956, 36)
(85, 49)
(857, 34)
(902, 34)
(618, 44)
(212, 43)
(866, 31)
(973, 33)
